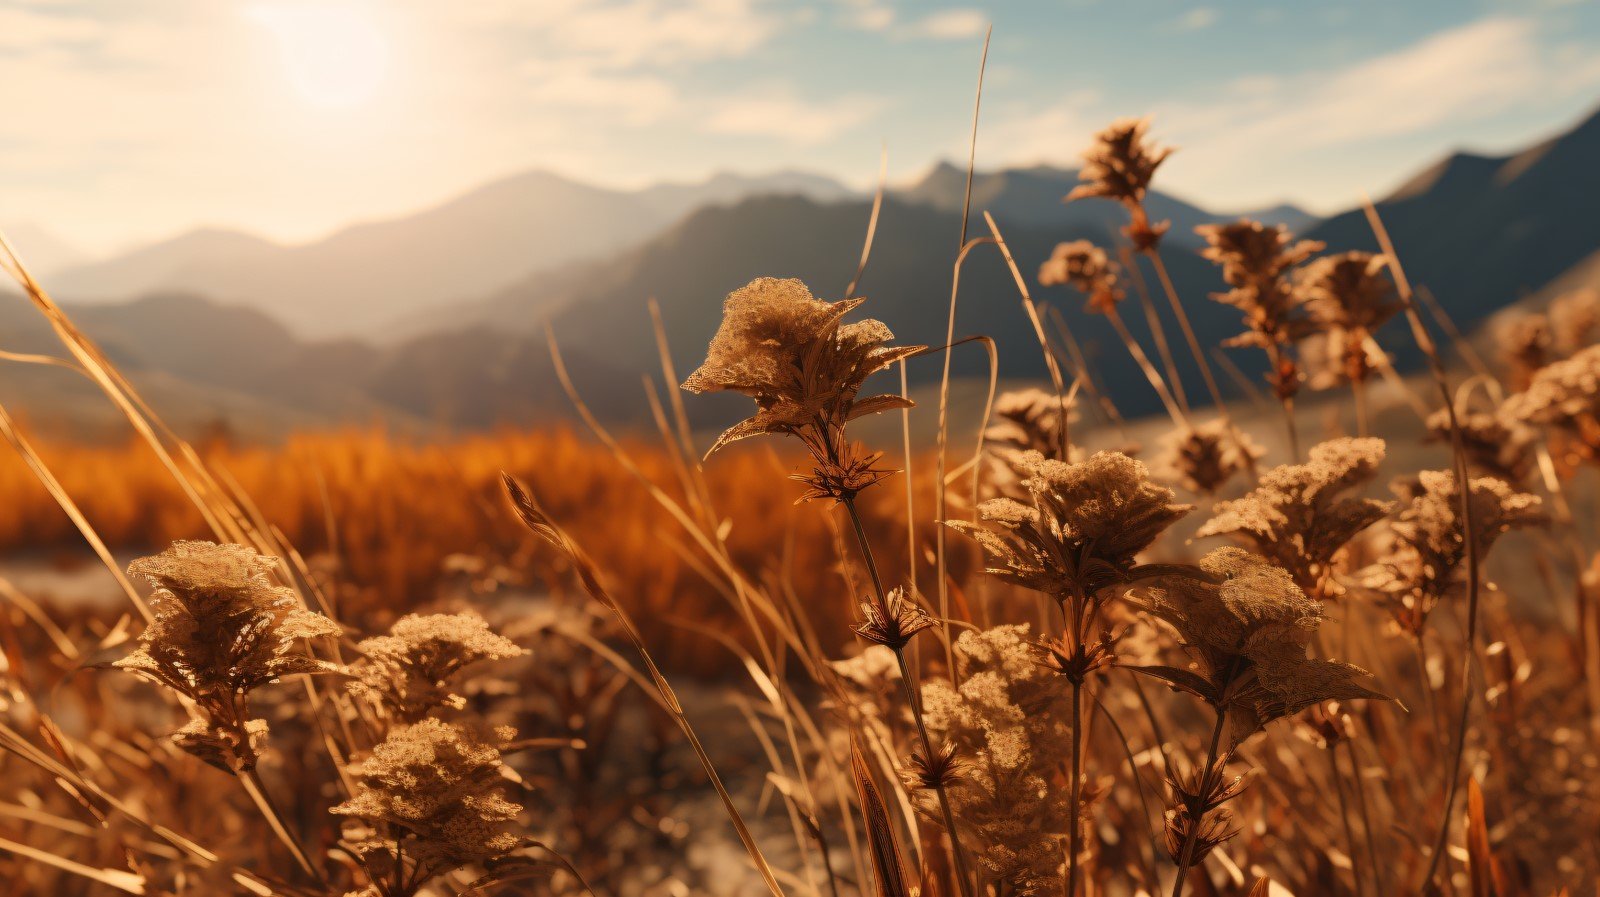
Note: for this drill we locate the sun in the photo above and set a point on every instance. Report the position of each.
(333, 54)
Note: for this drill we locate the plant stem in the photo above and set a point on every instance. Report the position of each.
(1075, 835)
(1344, 815)
(258, 793)
(1186, 856)
(1199, 356)
(909, 693)
(1366, 818)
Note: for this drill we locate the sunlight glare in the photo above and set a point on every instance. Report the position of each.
(333, 55)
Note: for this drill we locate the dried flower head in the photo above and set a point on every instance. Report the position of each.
(221, 629)
(1030, 420)
(1427, 563)
(895, 623)
(412, 670)
(1249, 626)
(431, 793)
(1565, 395)
(1574, 319)
(1011, 721)
(1256, 261)
(1524, 345)
(1496, 444)
(1084, 267)
(791, 353)
(1300, 515)
(1212, 831)
(1202, 459)
(1083, 529)
(1349, 298)
(1119, 166)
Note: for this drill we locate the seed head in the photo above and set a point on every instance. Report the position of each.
(1084, 267)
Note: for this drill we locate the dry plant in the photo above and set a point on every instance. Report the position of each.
(690, 682)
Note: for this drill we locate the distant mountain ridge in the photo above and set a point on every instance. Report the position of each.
(1478, 230)
(367, 276)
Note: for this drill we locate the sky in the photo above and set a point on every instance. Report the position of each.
(125, 122)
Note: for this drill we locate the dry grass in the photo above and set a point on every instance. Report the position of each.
(1119, 679)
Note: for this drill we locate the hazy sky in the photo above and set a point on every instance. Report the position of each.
(127, 120)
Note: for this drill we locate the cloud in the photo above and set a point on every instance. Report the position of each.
(1196, 19)
(780, 114)
(1264, 136)
(951, 24)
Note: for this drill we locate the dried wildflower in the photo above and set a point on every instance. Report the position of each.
(790, 352)
(430, 795)
(874, 669)
(1565, 395)
(1574, 318)
(895, 623)
(1496, 445)
(1524, 344)
(1013, 724)
(1030, 420)
(1256, 261)
(1214, 829)
(1300, 515)
(412, 670)
(1202, 459)
(1348, 298)
(946, 770)
(1119, 166)
(1249, 626)
(1084, 267)
(221, 630)
(1083, 529)
(1427, 563)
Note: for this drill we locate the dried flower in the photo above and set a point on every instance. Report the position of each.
(1427, 563)
(790, 352)
(1249, 626)
(1084, 267)
(1255, 262)
(1348, 298)
(1119, 166)
(1300, 515)
(894, 624)
(430, 794)
(1013, 723)
(1496, 445)
(412, 670)
(1565, 395)
(221, 629)
(1214, 829)
(1202, 459)
(1524, 343)
(1574, 318)
(1030, 420)
(1086, 524)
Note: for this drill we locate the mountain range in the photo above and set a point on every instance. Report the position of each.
(441, 346)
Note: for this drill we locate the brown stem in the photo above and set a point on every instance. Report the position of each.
(1186, 856)
(908, 691)
(1075, 836)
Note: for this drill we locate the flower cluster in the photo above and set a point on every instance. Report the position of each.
(430, 794)
(1084, 267)
(804, 367)
(1565, 395)
(1348, 298)
(1011, 721)
(1249, 626)
(1203, 458)
(1301, 515)
(1119, 166)
(221, 629)
(1083, 529)
(411, 671)
(1256, 261)
(1427, 563)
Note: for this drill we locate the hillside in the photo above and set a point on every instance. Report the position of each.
(362, 279)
